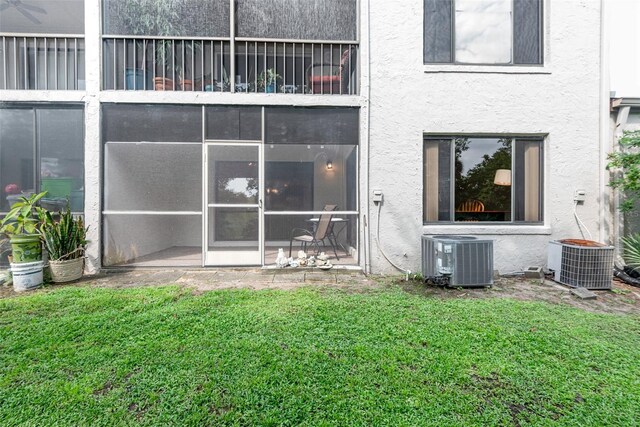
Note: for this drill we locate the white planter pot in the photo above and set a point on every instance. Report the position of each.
(26, 275)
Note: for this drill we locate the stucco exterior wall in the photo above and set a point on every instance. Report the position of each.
(402, 100)
(560, 100)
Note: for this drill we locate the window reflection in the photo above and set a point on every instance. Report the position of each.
(42, 16)
(236, 182)
(481, 193)
(483, 31)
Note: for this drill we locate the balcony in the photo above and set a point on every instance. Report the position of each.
(41, 62)
(258, 66)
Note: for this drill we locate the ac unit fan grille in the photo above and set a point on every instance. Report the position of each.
(587, 267)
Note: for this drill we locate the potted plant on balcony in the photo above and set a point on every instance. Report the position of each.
(65, 241)
(151, 18)
(268, 80)
(20, 225)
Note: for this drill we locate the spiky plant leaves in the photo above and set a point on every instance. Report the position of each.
(64, 239)
(632, 250)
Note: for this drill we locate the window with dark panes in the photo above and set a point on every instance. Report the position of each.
(42, 45)
(171, 18)
(483, 179)
(42, 149)
(491, 32)
(298, 19)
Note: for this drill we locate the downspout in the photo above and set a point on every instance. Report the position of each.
(606, 230)
(368, 163)
(367, 217)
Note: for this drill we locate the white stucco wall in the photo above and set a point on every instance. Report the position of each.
(560, 100)
(401, 100)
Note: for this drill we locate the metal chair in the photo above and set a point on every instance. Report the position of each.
(318, 235)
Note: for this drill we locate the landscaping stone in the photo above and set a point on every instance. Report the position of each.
(583, 293)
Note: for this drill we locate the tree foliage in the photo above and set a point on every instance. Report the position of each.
(478, 183)
(627, 162)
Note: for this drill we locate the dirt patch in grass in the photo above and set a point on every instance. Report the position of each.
(622, 299)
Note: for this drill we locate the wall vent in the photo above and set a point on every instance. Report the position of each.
(457, 261)
(581, 263)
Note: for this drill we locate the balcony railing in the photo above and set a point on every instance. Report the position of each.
(41, 63)
(180, 64)
(166, 64)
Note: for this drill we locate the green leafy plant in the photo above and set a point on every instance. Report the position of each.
(24, 216)
(66, 238)
(632, 250)
(627, 161)
(268, 77)
(150, 17)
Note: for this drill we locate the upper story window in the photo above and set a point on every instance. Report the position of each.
(42, 17)
(333, 20)
(42, 44)
(170, 18)
(488, 32)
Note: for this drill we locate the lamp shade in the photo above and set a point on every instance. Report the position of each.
(503, 177)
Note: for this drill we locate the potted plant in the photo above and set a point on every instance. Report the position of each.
(65, 241)
(268, 80)
(20, 225)
(151, 18)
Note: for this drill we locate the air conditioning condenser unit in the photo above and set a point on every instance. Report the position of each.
(581, 263)
(457, 261)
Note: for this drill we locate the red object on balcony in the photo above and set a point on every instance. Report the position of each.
(332, 78)
(325, 84)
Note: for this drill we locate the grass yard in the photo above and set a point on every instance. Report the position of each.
(161, 356)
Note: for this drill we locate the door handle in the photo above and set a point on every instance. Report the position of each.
(260, 203)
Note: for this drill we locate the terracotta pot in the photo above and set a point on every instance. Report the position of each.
(187, 85)
(163, 83)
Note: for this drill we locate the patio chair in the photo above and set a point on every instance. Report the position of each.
(471, 206)
(333, 79)
(316, 236)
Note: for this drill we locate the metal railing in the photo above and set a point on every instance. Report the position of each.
(133, 63)
(41, 62)
(296, 67)
(259, 66)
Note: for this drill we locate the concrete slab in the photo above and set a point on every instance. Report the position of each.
(199, 277)
(320, 276)
(583, 293)
(230, 275)
(296, 276)
(138, 277)
(352, 278)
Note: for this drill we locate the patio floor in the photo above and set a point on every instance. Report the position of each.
(188, 256)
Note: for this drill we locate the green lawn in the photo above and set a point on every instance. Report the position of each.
(79, 356)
